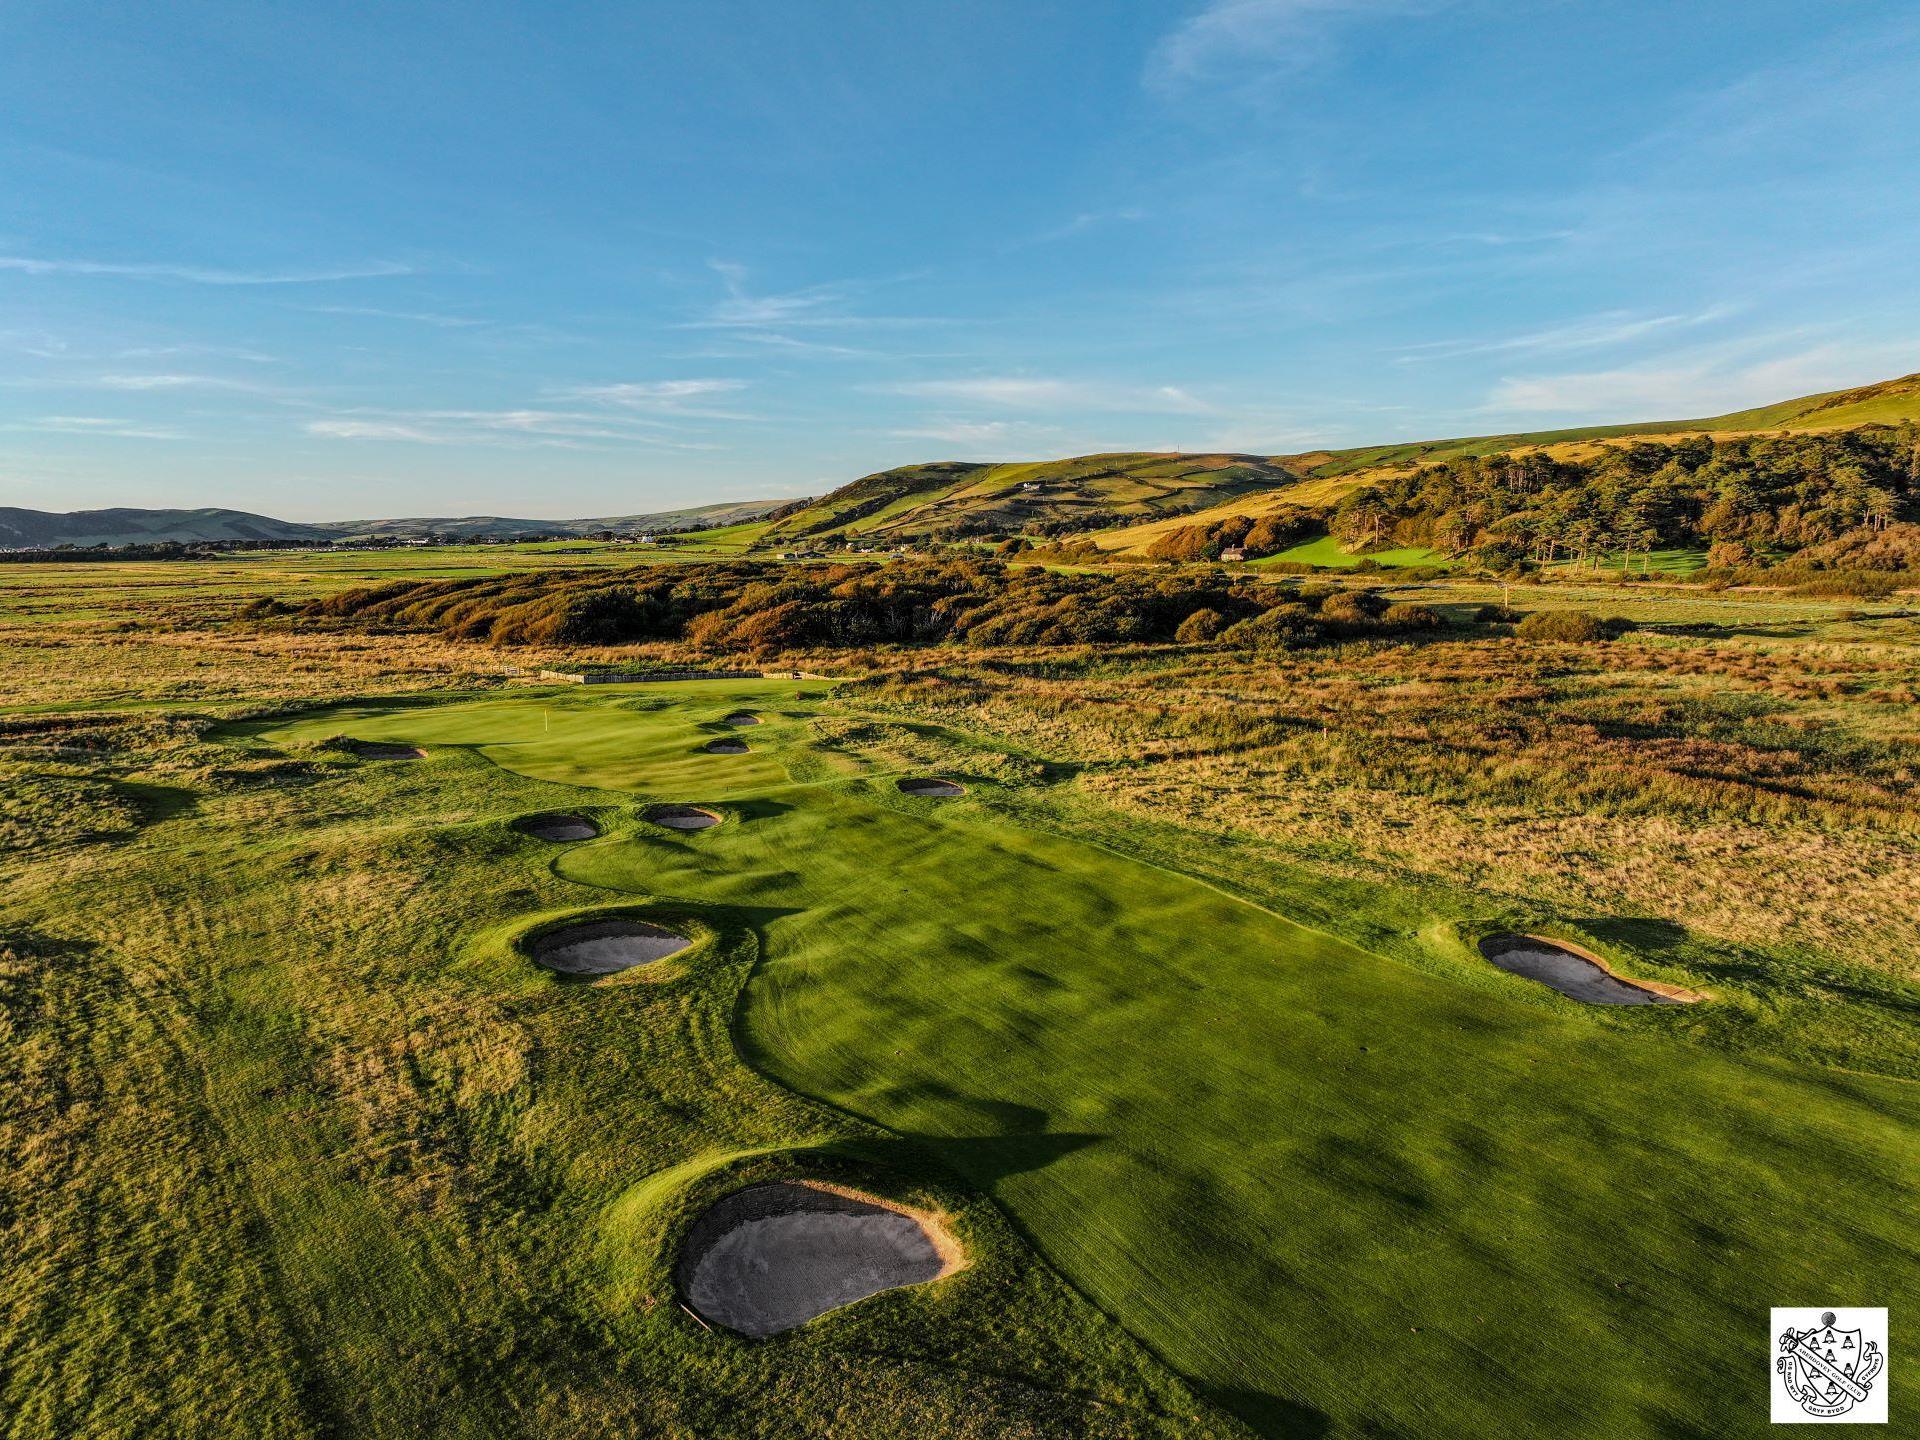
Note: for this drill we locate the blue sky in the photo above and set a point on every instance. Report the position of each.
(340, 261)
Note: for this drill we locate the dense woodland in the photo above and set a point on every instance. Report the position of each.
(1742, 499)
(1826, 501)
(755, 609)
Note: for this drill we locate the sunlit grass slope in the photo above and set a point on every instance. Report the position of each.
(297, 1145)
(1343, 1195)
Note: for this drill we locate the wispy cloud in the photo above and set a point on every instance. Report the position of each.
(175, 382)
(766, 319)
(683, 399)
(101, 425)
(1684, 387)
(417, 317)
(1615, 327)
(220, 352)
(199, 274)
(654, 394)
(510, 429)
(1025, 392)
(1234, 36)
(962, 432)
(1080, 224)
(741, 308)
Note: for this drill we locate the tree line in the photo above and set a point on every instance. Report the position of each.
(747, 608)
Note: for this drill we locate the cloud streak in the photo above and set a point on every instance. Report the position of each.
(199, 274)
(1686, 387)
(1615, 327)
(1234, 36)
(1041, 393)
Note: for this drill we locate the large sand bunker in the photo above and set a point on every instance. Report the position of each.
(606, 947)
(682, 817)
(557, 828)
(742, 717)
(771, 1257)
(932, 786)
(384, 750)
(1577, 974)
(725, 747)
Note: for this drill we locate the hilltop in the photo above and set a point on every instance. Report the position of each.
(1330, 476)
(952, 499)
(35, 529)
(1161, 492)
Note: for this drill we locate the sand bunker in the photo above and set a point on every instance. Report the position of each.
(606, 947)
(557, 828)
(771, 1257)
(725, 747)
(1577, 974)
(385, 750)
(682, 817)
(742, 717)
(930, 786)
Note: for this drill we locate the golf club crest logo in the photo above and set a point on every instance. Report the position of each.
(1828, 1370)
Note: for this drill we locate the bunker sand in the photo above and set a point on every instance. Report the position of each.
(771, 1257)
(1578, 974)
(557, 828)
(606, 947)
(682, 817)
(932, 787)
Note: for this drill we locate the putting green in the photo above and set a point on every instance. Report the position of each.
(1337, 1193)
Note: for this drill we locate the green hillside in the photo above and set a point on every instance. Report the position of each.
(40, 528)
(954, 498)
(1889, 402)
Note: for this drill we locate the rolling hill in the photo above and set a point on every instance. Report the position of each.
(1328, 476)
(34, 529)
(1887, 402)
(40, 529)
(955, 498)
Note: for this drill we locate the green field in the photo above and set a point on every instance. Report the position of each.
(1339, 1194)
(1330, 552)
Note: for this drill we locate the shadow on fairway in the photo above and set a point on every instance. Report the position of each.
(1269, 1414)
(155, 803)
(1635, 932)
(988, 1159)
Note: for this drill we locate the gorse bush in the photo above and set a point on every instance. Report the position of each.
(1566, 625)
(757, 609)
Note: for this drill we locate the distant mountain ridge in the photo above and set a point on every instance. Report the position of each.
(22, 529)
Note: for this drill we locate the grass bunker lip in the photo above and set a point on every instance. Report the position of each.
(741, 717)
(605, 947)
(1578, 974)
(774, 1256)
(726, 746)
(931, 787)
(557, 827)
(385, 750)
(681, 817)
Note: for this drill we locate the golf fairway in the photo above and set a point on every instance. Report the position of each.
(1340, 1195)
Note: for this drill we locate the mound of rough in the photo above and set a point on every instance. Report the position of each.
(931, 786)
(606, 947)
(558, 828)
(385, 750)
(1577, 975)
(771, 1257)
(682, 817)
(725, 747)
(742, 717)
